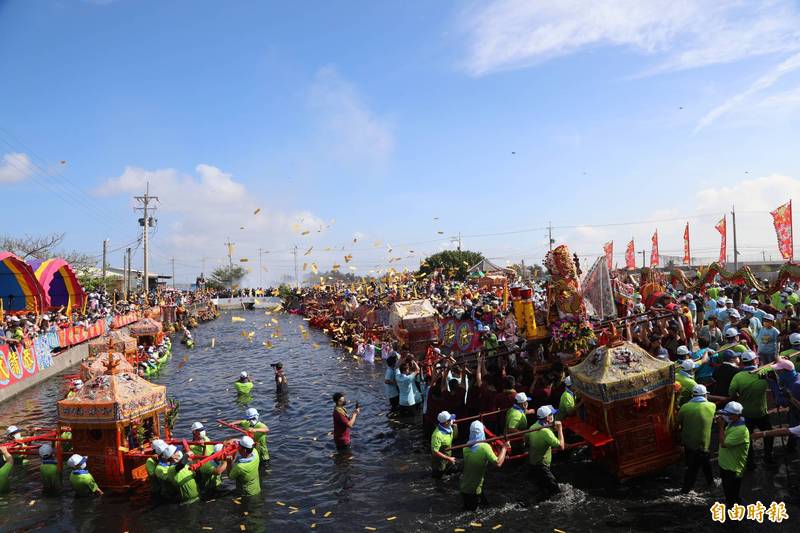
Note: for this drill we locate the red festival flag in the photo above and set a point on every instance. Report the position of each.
(687, 254)
(722, 228)
(782, 218)
(608, 249)
(654, 251)
(630, 257)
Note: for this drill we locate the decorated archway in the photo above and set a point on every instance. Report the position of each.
(19, 288)
(60, 285)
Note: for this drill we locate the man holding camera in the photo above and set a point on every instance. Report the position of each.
(343, 421)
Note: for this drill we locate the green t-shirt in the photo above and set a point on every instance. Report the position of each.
(733, 457)
(245, 473)
(243, 388)
(51, 476)
(687, 386)
(83, 483)
(475, 462)
(696, 419)
(5, 475)
(439, 441)
(752, 393)
(738, 347)
(260, 438)
(516, 420)
(150, 467)
(167, 490)
(184, 483)
(713, 292)
(541, 444)
(566, 405)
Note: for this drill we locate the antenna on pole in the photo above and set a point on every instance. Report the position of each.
(146, 222)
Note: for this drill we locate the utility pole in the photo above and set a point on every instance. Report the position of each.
(459, 241)
(642, 252)
(146, 222)
(130, 268)
(735, 249)
(105, 258)
(550, 235)
(230, 245)
(173, 272)
(125, 275)
(296, 278)
(763, 256)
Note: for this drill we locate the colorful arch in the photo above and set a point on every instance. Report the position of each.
(19, 288)
(60, 285)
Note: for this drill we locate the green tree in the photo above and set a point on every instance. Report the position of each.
(227, 277)
(455, 263)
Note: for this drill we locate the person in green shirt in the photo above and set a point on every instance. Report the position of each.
(259, 430)
(477, 455)
(734, 442)
(199, 435)
(182, 478)
(80, 478)
(13, 434)
(793, 352)
(442, 460)
(566, 405)
(749, 387)
(517, 419)
(243, 385)
(50, 470)
(685, 376)
(164, 471)
(695, 419)
(210, 484)
(540, 449)
(244, 468)
(6, 466)
(150, 465)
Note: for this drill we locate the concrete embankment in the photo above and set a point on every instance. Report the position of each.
(64, 360)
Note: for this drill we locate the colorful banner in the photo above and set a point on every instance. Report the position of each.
(630, 256)
(459, 336)
(722, 228)
(782, 219)
(687, 253)
(608, 250)
(654, 250)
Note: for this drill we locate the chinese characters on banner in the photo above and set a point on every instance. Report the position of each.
(630, 257)
(722, 228)
(687, 254)
(608, 249)
(782, 218)
(654, 251)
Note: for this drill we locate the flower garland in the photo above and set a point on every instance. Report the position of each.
(571, 335)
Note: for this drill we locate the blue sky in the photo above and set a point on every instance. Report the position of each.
(389, 123)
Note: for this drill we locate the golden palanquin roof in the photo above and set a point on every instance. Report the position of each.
(146, 326)
(99, 366)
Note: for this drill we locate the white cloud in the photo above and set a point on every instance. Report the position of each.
(15, 167)
(198, 213)
(682, 34)
(352, 132)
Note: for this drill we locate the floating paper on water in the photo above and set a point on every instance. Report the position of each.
(267, 344)
(314, 525)
(190, 380)
(370, 528)
(207, 528)
(475, 524)
(281, 504)
(458, 530)
(498, 526)
(213, 341)
(237, 319)
(326, 515)
(391, 518)
(32, 502)
(315, 346)
(308, 251)
(273, 320)
(294, 508)
(242, 527)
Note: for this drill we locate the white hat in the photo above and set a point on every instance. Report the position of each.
(168, 452)
(794, 338)
(45, 450)
(731, 333)
(444, 416)
(437, 350)
(76, 460)
(729, 301)
(770, 317)
(158, 445)
(687, 364)
(197, 426)
(699, 390)
(243, 374)
(522, 397)
(247, 442)
(733, 313)
(689, 296)
(733, 408)
(218, 448)
(748, 356)
(568, 381)
(683, 350)
(251, 413)
(721, 301)
(11, 430)
(179, 455)
(545, 411)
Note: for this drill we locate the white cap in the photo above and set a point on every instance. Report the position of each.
(748, 356)
(251, 413)
(243, 374)
(731, 333)
(733, 408)
(568, 381)
(197, 426)
(689, 296)
(76, 460)
(45, 450)
(687, 364)
(683, 350)
(729, 301)
(158, 445)
(545, 411)
(794, 338)
(522, 397)
(699, 390)
(444, 416)
(11, 430)
(733, 313)
(437, 350)
(169, 451)
(247, 442)
(476, 426)
(179, 455)
(218, 448)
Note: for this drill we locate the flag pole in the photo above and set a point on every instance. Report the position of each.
(735, 250)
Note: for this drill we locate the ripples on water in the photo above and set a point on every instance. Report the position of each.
(386, 476)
